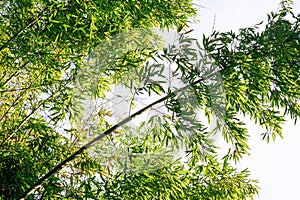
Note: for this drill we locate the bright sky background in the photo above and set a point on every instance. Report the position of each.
(277, 164)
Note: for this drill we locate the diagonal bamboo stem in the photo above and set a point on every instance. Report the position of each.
(105, 133)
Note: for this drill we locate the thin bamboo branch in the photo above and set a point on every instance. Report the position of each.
(101, 136)
(20, 32)
(14, 74)
(27, 118)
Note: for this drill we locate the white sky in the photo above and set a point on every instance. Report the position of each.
(276, 165)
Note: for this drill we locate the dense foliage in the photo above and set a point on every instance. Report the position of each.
(49, 50)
